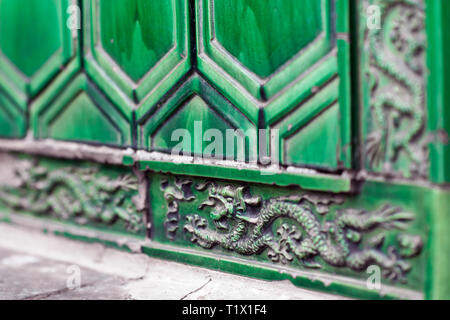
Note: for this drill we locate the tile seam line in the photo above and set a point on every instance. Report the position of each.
(105, 154)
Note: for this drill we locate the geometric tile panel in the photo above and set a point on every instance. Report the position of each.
(12, 118)
(198, 110)
(138, 48)
(150, 67)
(35, 43)
(81, 113)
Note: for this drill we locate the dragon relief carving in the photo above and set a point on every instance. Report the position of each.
(243, 224)
(173, 194)
(396, 76)
(82, 194)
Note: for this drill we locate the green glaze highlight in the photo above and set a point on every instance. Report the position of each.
(12, 123)
(136, 33)
(345, 98)
(323, 142)
(263, 35)
(438, 94)
(81, 113)
(27, 32)
(95, 126)
(194, 115)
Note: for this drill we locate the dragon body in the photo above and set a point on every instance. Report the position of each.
(398, 105)
(301, 235)
(78, 193)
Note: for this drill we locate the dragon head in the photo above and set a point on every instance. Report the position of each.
(228, 202)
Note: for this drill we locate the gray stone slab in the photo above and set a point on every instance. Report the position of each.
(34, 265)
(26, 276)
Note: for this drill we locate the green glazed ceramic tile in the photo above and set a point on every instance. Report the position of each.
(35, 42)
(12, 118)
(271, 58)
(264, 35)
(187, 116)
(137, 47)
(81, 113)
(136, 33)
(366, 108)
(294, 229)
(438, 94)
(393, 69)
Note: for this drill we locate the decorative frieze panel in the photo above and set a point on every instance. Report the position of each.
(85, 194)
(237, 226)
(395, 73)
(351, 95)
(337, 234)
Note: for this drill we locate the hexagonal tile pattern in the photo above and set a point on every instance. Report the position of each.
(246, 39)
(313, 134)
(81, 113)
(35, 43)
(137, 47)
(12, 118)
(271, 58)
(151, 66)
(252, 32)
(188, 117)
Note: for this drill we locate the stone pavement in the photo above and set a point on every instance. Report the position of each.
(34, 265)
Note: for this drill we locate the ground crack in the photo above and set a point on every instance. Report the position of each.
(196, 290)
(46, 295)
